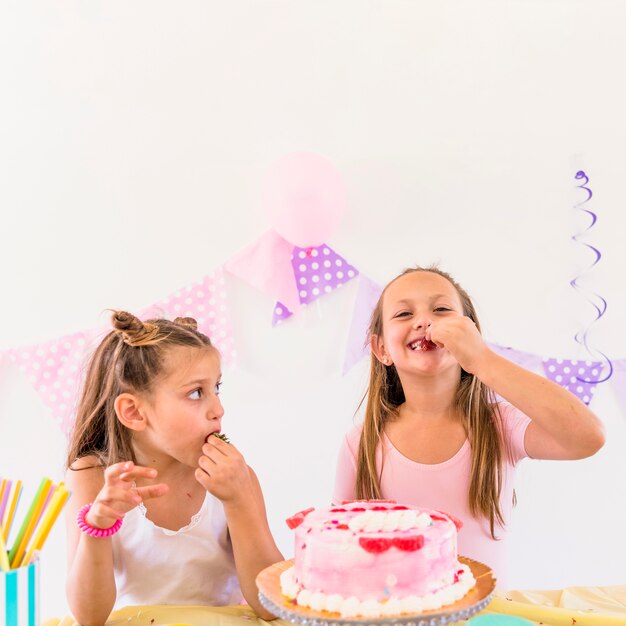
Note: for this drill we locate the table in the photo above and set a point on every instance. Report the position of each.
(573, 606)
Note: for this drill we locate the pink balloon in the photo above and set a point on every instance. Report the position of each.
(305, 198)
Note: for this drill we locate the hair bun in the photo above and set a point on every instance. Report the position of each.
(188, 322)
(133, 331)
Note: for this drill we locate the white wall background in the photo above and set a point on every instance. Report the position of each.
(133, 140)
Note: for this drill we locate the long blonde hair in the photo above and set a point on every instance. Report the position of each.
(473, 400)
(129, 359)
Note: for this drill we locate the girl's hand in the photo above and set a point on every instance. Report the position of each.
(119, 494)
(459, 336)
(223, 471)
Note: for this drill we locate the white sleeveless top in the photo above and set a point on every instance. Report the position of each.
(191, 566)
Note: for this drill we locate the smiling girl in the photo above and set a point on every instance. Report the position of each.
(198, 536)
(434, 434)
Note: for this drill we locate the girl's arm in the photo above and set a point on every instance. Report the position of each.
(224, 473)
(562, 426)
(90, 587)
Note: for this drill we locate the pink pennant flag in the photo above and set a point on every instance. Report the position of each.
(523, 359)
(266, 265)
(207, 303)
(579, 377)
(618, 383)
(55, 370)
(317, 270)
(366, 299)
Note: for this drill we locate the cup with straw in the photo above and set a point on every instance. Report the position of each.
(19, 563)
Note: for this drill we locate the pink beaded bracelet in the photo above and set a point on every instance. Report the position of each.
(87, 528)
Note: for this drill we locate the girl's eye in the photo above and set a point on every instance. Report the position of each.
(196, 394)
(442, 308)
(217, 388)
(402, 314)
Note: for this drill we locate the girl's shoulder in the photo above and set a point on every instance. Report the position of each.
(87, 471)
(353, 435)
(85, 463)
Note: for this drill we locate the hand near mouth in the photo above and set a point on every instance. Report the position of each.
(459, 335)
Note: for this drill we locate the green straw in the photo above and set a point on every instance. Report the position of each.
(33, 506)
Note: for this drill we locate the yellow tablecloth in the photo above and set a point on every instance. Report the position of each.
(573, 606)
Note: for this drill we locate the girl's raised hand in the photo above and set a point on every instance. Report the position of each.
(223, 471)
(119, 494)
(458, 334)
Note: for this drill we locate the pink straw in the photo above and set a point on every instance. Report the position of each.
(5, 499)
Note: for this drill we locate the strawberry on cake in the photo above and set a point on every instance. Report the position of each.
(375, 558)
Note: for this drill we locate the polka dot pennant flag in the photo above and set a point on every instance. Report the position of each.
(579, 377)
(207, 303)
(317, 271)
(55, 370)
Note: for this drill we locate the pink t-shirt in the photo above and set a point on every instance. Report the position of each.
(444, 486)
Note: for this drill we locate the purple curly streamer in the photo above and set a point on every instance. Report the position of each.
(600, 304)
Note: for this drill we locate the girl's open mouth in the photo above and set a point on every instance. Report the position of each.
(423, 344)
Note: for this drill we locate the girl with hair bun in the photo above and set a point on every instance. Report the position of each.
(162, 511)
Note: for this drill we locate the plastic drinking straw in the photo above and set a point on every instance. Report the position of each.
(60, 497)
(29, 523)
(9, 514)
(47, 498)
(4, 496)
(4, 559)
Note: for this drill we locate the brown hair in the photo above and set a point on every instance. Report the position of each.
(129, 359)
(473, 400)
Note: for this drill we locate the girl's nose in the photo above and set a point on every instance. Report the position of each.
(420, 323)
(217, 410)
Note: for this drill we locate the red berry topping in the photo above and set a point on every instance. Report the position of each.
(342, 526)
(358, 509)
(374, 544)
(379, 508)
(337, 510)
(409, 544)
(400, 508)
(295, 520)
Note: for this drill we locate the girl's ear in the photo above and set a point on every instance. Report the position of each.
(128, 411)
(378, 350)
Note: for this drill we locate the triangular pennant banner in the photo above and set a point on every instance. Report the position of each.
(266, 265)
(317, 271)
(55, 370)
(207, 303)
(280, 313)
(579, 377)
(366, 299)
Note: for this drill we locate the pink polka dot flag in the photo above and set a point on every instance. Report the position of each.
(207, 303)
(55, 369)
(579, 377)
(317, 271)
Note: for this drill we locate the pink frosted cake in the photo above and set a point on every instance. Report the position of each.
(375, 558)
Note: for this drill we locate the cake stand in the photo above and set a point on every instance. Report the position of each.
(475, 600)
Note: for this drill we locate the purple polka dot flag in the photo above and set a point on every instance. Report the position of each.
(317, 271)
(579, 377)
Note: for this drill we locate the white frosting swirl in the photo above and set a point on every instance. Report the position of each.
(388, 521)
(353, 607)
